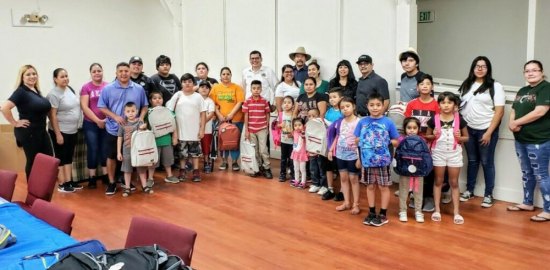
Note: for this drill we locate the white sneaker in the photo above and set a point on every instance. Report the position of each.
(403, 216)
(419, 217)
(314, 189)
(322, 191)
(446, 197)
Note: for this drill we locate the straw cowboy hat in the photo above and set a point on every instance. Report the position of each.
(299, 50)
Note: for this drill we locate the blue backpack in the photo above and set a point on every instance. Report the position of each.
(413, 157)
(374, 139)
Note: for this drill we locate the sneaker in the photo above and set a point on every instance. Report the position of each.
(268, 174)
(207, 168)
(302, 185)
(314, 189)
(419, 217)
(379, 220)
(132, 187)
(111, 189)
(76, 185)
(181, 176)
(196, 176)
(368, 220)
(282, 177)
(223, 166)
(172, 179)
(339, 197)
(150, 182)
(294, 183)
(235, 166)
(126, 192)
(466, 195)
(92, 183)
(328, 195)
(322, 191)
(488, 201)
(403, 216)
(65, 187)
(429, 205)
(446, 197)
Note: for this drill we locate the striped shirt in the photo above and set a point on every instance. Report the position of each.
(257, 111)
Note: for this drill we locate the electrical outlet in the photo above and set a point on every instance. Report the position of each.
(30, 18)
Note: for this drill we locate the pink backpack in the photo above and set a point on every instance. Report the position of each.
(276, 130)
(456, 127)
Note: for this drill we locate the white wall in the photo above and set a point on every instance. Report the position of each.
(83, 32)
(542, 34)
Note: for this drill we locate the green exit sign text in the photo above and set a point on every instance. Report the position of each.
(426, 16)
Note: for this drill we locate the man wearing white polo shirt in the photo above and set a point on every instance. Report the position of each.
(261, 73)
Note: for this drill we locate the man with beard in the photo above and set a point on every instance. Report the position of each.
(137, 75)
(300, 57)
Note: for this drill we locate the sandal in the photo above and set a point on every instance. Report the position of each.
(520, 207)
(436, 216)
(342, 207)
(539, 218)
(147, 190)
(126, 192)
(355, 209)
(458, 219)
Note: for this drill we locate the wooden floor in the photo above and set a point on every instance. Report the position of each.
(247, 223)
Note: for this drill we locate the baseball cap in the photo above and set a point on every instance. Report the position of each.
(364, 58)
(135, 59)
(205, 83)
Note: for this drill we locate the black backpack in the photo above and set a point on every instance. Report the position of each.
(413, 157)
(136, 258)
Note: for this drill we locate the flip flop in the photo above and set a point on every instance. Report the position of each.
(458, 220)
(538, 218)
(436, 216)
(517, 208)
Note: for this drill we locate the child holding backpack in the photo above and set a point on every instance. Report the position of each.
(165, 142)
(448, 130)
(413, 162)
(299, 154)
(344, 151)
(316, 147)
(286, 137)
(373, 135)
(133, 123)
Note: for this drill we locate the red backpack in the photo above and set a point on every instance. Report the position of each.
(276, 130)
(229, 136)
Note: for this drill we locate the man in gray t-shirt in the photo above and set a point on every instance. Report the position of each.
(369, 83)
(410, 62)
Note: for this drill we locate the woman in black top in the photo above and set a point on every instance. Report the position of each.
(33, 108)
(345, 79)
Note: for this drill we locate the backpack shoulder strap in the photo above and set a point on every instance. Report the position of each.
(456, 127)
(437, 122)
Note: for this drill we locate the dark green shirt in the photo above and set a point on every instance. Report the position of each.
(527, 99)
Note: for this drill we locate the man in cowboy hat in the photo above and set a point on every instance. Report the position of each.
(410, 62)
(300, 57)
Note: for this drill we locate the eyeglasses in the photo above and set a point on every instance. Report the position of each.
(481, 67)
(531, 71)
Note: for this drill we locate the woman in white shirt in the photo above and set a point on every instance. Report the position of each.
(287, 87)
(482, 107)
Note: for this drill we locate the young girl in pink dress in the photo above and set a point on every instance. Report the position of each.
(299, 154)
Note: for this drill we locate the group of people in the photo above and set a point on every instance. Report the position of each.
(360, 145)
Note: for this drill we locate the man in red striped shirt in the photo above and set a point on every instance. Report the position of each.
(256, 121)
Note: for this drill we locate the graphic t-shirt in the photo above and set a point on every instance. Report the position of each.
(167, 85)
(346, 149)
(306, 103)
(93, 91)
(527, 98)
(125, 131)
(332, 115)
(226, 97)
(286, 130)
(422, 111)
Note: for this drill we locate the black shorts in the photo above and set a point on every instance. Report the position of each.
(64, 152)
(110, 146)
(347, 166)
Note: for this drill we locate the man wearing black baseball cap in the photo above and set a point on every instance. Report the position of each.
(137, 75)
(369, 83)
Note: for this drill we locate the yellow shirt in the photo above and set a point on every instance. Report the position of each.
(226, 97)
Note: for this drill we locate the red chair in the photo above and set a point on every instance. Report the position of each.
(54, 215)
(41, 182)
(177, 240)
(7, 184)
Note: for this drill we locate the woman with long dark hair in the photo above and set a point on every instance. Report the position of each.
(345, 79)
(482, 108)
(288, 86)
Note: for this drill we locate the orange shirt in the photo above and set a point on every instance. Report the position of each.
(226, 97)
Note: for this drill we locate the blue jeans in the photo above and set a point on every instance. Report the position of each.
(484, 154)
(317, 165)
(94, 136)
(534, 160)
(234, 153)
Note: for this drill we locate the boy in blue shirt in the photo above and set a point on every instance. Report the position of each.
(373, 135)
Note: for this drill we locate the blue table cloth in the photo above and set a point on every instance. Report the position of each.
(34, 236)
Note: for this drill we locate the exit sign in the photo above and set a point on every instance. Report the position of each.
(426, 16)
